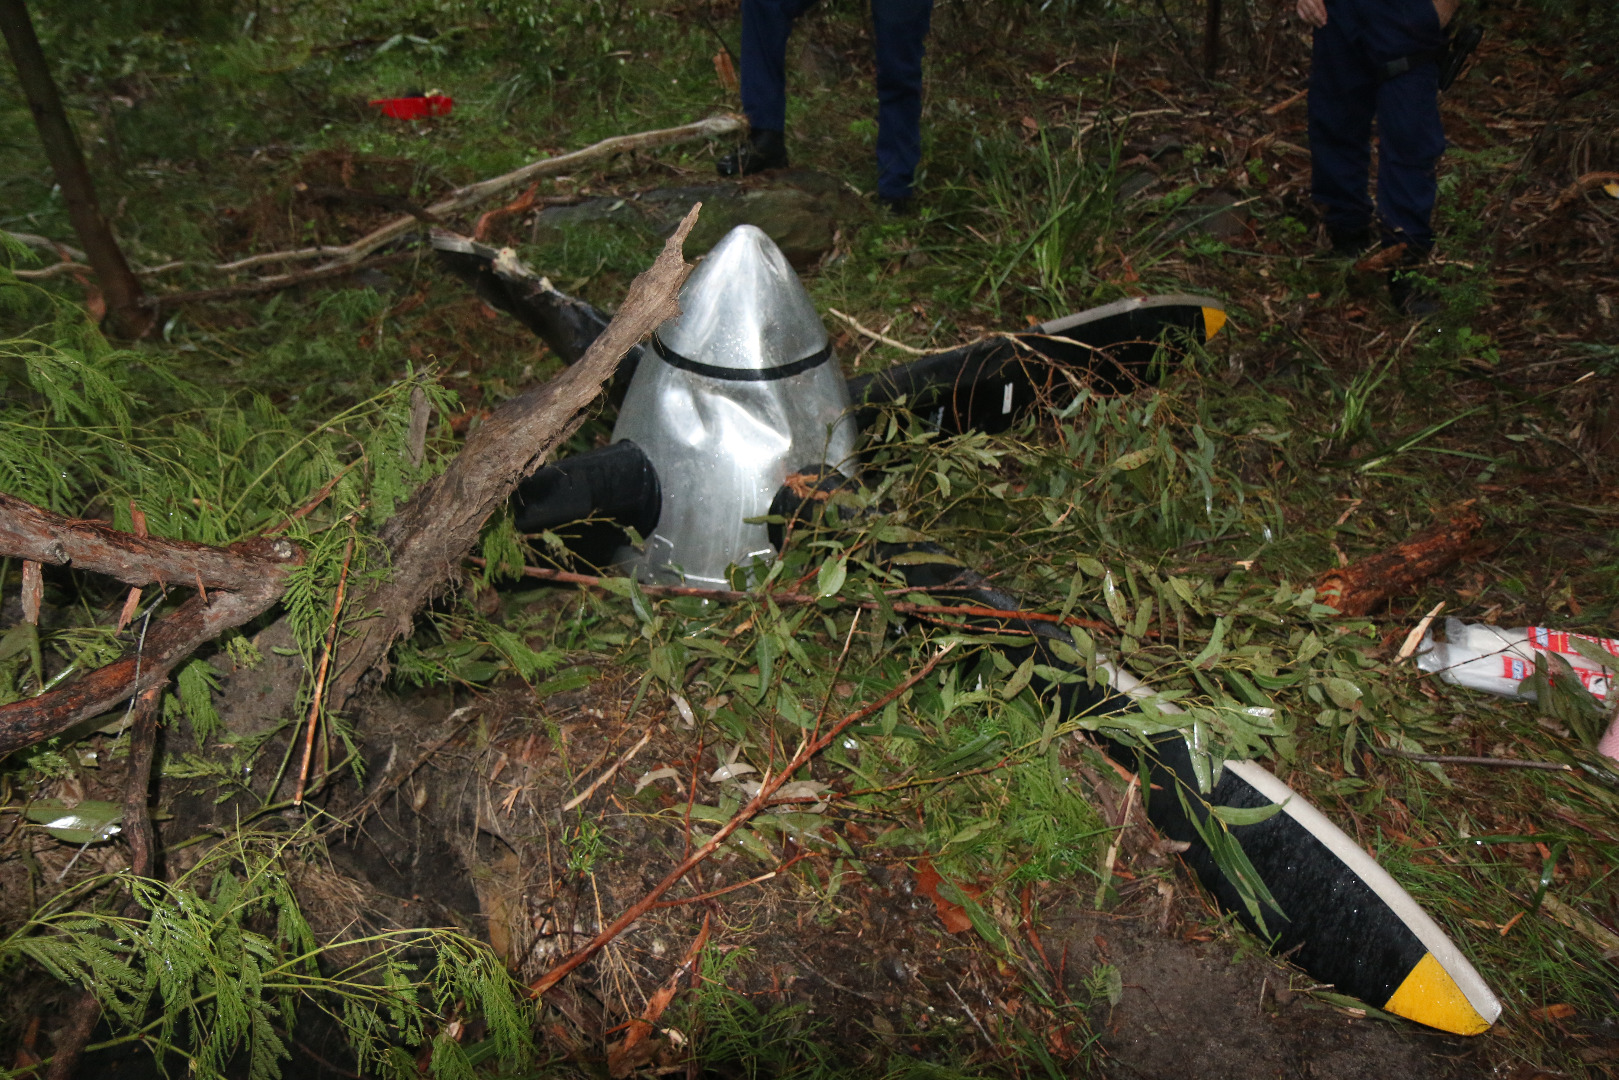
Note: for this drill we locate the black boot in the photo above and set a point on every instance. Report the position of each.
(898, 205)
(1410, 294)
(1349, 243)
(763, 150)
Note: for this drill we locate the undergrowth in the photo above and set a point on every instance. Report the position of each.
(1192, 516)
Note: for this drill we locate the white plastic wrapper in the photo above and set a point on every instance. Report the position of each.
(1496, 661)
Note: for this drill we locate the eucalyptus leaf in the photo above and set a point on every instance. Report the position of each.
(1246, 815)
(87, 822)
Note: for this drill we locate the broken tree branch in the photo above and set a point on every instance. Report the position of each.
(246, 579)
(31, 720)
(1359, 588)
(33, 533)
(432, 533)
(346, 256)
(767, 789)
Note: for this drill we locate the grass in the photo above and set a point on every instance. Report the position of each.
(1302, 432)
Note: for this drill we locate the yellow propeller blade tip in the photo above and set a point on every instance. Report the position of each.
(1213, 319)
(1430, 996)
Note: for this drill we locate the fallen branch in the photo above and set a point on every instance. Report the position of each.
(246, 578)
(346, 256)
(282, 281)
(866, 331)
(1283, 105)
(430, 535)
(1579, 187)
(33, 533)
(767, 789)
(624, 759)
(1360, 587)
(197, 622)
(1486, 762)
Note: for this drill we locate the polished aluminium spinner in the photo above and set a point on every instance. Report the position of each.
(738, 391)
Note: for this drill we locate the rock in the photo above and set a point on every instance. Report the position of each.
(799, 209)
(1215, 212)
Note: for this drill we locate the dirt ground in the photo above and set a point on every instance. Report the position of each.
(470, 831)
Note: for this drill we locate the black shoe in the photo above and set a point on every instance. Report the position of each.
(1411, 295)
(898, 205)
(1349, 243)
(763, 150)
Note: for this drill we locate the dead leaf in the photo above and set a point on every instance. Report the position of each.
(953, 915)
(727, 72)
(623, 1058)
(731, 772)
(664, 773)
(1553, 1012)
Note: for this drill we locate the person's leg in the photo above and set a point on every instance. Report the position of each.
(1411, 137)
(900, 30)
(1342, 101)
(766, 26)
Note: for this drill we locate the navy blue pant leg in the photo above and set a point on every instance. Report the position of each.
(766, 25)
(900, 30)
(1342, 102)
(1347, 91)
(1411, 137)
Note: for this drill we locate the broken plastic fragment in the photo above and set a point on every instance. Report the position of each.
(1499, 661)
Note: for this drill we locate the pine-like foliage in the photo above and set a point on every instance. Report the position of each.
(215, 973)
(220, 967)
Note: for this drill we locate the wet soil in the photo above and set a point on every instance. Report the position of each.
(474, 834)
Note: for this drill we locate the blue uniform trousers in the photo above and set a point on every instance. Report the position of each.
(1349, 88)
(899, 30)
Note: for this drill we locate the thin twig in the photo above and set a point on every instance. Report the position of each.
(970, 1015)
(320, 678)
(612, 769)
(315, 500)
(767, 789)
(875, 336)
(1118, 835)
(1488, 762)
(702, 897)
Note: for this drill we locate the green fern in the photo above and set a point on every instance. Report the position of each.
(204, 976)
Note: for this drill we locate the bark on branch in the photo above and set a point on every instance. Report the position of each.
(430, 535)
(29, 532)
(1359, 588)
(234, 585)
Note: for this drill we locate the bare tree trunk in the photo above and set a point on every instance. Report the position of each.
(125, 314)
